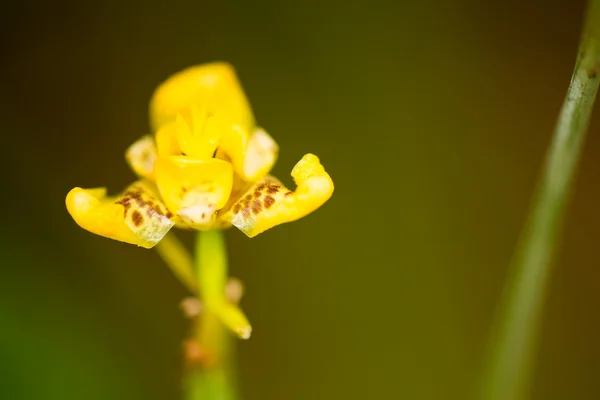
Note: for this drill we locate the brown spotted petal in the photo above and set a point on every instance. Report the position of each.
(269, 203)
(137, 216)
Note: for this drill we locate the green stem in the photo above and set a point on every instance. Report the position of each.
(514, 338)
(211, 265)
(214, 378)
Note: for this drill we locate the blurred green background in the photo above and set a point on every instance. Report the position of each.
(432, 117)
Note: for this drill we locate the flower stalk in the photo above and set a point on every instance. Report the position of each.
(209, 353)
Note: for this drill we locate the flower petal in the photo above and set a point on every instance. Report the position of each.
(194, 189)
(195, 135)
(199, 138)
(141, 156)
(269, 203)
(214, 85)
(260, 155)
(136, 216)
(252, 157)
(167, 143)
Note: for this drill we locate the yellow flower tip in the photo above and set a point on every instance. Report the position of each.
(244, 332)
(268, 203)
(194, 189)
(141, 156)
(314, 185)
(214, 85)
(80, 201)
(308, 167)
(232, 317)
(136, 216)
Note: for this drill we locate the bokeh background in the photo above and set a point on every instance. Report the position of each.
(432, 117)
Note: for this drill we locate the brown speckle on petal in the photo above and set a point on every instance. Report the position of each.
(137, 218)
(256, 207)
(269, 201)
(125, 203)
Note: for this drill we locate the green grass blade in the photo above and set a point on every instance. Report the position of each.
(513, 340)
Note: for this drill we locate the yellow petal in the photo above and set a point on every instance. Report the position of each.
(195, 135)
(199, 138)
(269, 203)
(136, 216)
(167, 143)
(194, 189)
(252, 157)
(214, 85)
(141, 156)
(232, 317)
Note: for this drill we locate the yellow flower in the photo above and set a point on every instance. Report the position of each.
(206, 167)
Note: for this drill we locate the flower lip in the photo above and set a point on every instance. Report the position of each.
(200, 214)
(194, 189)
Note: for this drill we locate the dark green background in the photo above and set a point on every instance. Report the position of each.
(432, 117)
